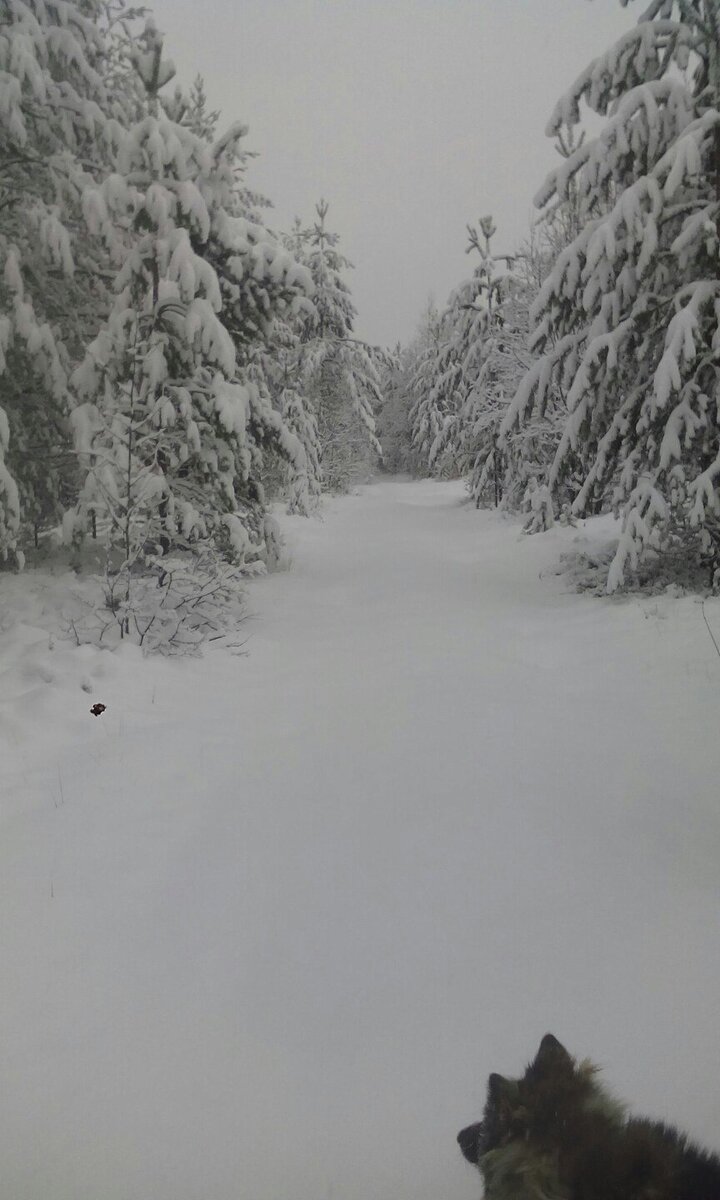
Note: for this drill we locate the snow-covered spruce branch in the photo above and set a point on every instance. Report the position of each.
(633, 60)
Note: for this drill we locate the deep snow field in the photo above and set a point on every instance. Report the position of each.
(269, 922)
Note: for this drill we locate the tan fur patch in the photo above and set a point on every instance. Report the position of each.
(517, 1172)
(601, 1100)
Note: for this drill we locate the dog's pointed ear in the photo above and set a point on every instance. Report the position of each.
(468, 1143)
(498, 1087)
(551, 1054)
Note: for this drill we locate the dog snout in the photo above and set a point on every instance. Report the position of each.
(469, 1140)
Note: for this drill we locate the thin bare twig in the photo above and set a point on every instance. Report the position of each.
(712, 635)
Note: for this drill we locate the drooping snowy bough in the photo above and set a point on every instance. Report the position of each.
(628, 322)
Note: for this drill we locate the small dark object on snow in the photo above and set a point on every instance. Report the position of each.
(556, 1134)
(97, 709)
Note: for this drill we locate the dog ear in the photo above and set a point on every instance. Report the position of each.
(502, 1097)
(498, 1088)
(551, 1054)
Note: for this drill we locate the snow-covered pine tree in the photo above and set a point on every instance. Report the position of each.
(446, 400)
(488, 341)
(526, 452)
(393, 421)
(628, 321)
(464, 391)
(459, 364)
(53, 129)
(340, 372)
(276, 363)
(264, 292)
(417, 361)
(170, 435)
(530, 446)
(436, 372)
(282, 369)
(304, 487)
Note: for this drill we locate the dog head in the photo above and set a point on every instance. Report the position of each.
(519, 1146)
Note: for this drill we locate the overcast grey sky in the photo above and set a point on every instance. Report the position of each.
(411, 117)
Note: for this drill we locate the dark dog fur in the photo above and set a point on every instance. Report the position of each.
(556, 1134)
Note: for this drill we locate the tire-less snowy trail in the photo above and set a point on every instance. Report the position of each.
(269, 922)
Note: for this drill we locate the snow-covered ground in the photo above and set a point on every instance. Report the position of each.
(271, 919)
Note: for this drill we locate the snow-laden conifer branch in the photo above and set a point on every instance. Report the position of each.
(635, 59)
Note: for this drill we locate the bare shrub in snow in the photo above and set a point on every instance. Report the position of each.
(172, 606)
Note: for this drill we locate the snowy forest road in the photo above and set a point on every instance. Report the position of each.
(268, 926)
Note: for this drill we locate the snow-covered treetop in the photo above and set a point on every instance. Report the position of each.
(335, 312)
(153, 69)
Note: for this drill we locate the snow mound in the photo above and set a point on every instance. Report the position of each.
(47, 682)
